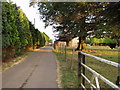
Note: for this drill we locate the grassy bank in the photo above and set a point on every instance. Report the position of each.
(14, 61)
(69, 77)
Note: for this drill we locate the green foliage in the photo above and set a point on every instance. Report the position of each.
(37, 36)
(82, 19)
(100, 40)
(108, 40)
(23, 28)
(70, 16)
(46, 37)
(87, 41)
(17, 32)
(9, 31)
(43, 39)
(95, 40)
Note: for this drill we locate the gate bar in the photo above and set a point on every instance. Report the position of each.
(103, 60)
(88, 81)
(101, 77)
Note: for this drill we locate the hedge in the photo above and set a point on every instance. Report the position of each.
(18, 33)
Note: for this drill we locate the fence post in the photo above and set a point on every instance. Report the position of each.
(65, 53)
(118, 81)
(60, 49)
(72, 58)
(83, 61)
(63, 50)
(79, 69)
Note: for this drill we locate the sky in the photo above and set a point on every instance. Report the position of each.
(32, 13)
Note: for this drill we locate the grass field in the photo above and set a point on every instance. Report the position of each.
(102, 51)
(111, 55)
(69, 76)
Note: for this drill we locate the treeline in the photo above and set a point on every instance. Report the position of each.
(18, 34)
(100, 41)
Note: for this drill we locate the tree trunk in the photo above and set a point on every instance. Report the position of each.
(118, 42)
(67, 43)
(78, 48)
(81, 39)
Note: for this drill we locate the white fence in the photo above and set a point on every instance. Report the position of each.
(96, 76)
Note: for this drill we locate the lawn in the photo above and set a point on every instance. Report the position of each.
(69, 77)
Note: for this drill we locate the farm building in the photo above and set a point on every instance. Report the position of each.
(72, 43)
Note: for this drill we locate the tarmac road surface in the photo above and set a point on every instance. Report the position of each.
(37, 71)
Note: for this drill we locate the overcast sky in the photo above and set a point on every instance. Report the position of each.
(32, 13)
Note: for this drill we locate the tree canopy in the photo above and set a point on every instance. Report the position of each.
(81, 19)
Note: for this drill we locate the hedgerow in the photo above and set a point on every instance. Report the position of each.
(18, 33)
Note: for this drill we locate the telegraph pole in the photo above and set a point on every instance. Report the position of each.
(34, 21)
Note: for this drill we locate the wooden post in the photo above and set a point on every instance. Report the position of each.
(79, 69)
(60, 49)
(83, 61)
(72, 59)
(65, 54)
(118, 81)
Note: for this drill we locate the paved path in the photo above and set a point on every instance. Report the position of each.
(37, 71)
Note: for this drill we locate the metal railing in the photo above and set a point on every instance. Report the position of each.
(82, 77)
(82, 67)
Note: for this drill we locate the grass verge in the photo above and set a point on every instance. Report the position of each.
(15, 61)
(68, 76)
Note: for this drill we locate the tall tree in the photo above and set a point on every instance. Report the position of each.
(110, 21)
(9, 30)
(75, 19)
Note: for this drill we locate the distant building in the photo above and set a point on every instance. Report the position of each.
(74, 42)
(59, 44)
